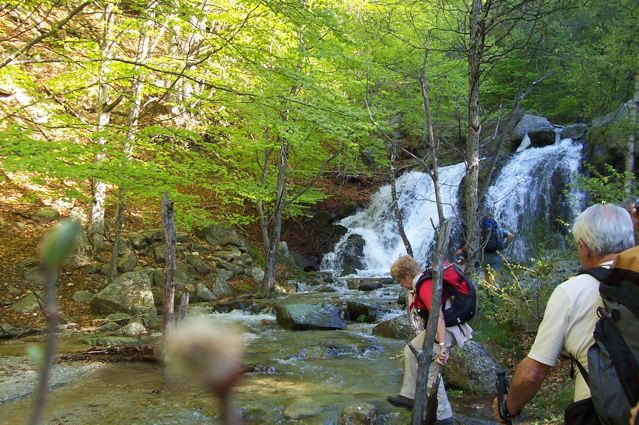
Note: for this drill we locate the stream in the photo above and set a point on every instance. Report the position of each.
(303, 377)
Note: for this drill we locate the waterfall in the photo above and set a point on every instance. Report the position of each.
(374, 229)
(533, 194)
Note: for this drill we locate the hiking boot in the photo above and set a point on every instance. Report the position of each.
(401, 401)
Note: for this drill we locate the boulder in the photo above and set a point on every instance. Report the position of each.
(325, 288)
(202, 293)
(472, 369)
(196, 261)
(182, 237)
(82, 296)
(159, 253)
(257, 275)
(574, 131)
(360, 414)
(130, 293)
(126, 262)
(47, 214)
(304, 316)
(134, 328)
(217, 235)
(221, 289)
(28, 304)
(369, 286)
(533, 124)
(397, 327)
(621, 113)
(108, 327)
(153, 235)
(353, 252)
(137, 240)
(202, 249)
(287, 287)
(361, 312)
(119, 318)
(228, 254)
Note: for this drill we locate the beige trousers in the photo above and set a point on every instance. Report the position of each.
(444, 411)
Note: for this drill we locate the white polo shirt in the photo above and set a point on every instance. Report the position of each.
(568, 324)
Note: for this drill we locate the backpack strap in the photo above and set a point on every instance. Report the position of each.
(599, 273)
(582, 369)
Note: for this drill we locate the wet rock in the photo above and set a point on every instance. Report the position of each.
(360, 414)
(137, 240)
(397, 327)
(196, 261)
(361, 312)
(304, 316)
(301, 409)
(532, 124)
(82, 296)
(202, 293)
(257, 275)
(47, 214)
(110, 341)
(353, 253)
(287, 287)
(27, 304)
(325, 288)
(130, 293)
(472, 368)
(574, 131)
(217, 235)
(369, 286)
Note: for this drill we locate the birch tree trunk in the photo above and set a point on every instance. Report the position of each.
(96, 227)
(475, 50)
(135, 106)
(632, 140)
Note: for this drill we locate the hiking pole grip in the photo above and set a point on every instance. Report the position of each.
(502, 390)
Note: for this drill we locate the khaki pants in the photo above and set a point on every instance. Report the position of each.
(444, 411)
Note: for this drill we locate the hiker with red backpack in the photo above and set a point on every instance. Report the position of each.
(594, 318)
(458, 307)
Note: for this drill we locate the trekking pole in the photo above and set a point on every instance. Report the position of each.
(502, 390)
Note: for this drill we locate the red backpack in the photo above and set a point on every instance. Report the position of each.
(458, 289)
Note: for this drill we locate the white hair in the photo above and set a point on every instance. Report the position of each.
(604, 229)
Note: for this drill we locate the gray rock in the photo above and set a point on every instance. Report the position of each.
(33, 276)
(153, 235)
(126, 262)
(532, 124)
(108, 327)
(361, 312)
(287, 287)
(282, 249)
(304, 316)
(472, 369)
(182, 237)
(369, 286)
(574, 131)
(159, 253)
(133, 328)
(202, 293)
(217, 235)
(120, 318)
(227, 255)
(197, 262)
(257, 275)
(82, 296)
(159, 277)
(360, 414)
(397, 327)
(47, 214)
(130, 293)
(621, 113)
(325, 288)
(27, 304)
(353, 254)
(137, 240)
(202, 249)
(221, 289)
(7, 330)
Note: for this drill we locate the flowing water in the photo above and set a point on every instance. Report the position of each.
(377, 226)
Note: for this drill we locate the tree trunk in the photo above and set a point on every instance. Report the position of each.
(97, 228)
(168, 223)
(266, 240)
(271, 260)
(395, 203)
(632, 140)
(137, 84)
(474, 131)
(429, 139)
(424, 358)
(184, 303)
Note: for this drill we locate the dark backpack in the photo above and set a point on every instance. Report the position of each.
(492, 235)
(613, 360)
(459, 290)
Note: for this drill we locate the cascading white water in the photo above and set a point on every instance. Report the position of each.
(534, 187)
(377, 227)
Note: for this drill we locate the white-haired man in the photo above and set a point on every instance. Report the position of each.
(601, 233)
